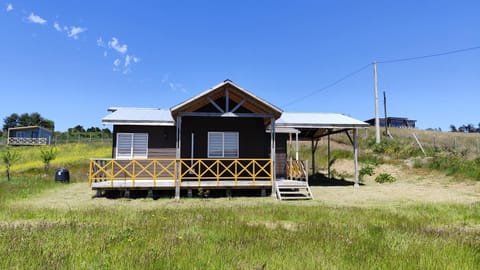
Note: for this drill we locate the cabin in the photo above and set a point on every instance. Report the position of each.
(30, 135)
(222, 139)
(395, 122)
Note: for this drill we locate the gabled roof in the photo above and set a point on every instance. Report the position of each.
(237, 94)
(138, 116)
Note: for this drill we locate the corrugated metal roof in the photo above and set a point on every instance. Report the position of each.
(138, 116)
(318, 120)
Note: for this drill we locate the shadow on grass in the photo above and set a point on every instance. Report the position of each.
(322, 180)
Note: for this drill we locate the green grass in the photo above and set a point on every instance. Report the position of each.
(226, 234)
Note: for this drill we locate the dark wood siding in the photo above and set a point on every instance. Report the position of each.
(161, 139)
(251, 135)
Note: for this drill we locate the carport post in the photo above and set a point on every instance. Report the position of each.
(355, 155)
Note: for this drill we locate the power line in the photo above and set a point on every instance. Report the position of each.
(329, 85)
(428, 56)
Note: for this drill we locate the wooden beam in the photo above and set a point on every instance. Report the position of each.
(238, 105)
(215, 105)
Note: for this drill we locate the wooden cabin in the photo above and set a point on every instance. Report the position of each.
(220, 139)
(30, 135)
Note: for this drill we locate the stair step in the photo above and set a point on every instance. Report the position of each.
(296, 198)
(293, 192)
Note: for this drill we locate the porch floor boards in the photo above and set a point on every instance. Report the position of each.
(170, 184)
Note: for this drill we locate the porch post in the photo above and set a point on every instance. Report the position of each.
(178, 155)
(273, 156)
(355, 156)
(328, 157)
(296, 145)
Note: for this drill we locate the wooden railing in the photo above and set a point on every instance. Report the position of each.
(180, 170)
(297, 169)
(27, 141)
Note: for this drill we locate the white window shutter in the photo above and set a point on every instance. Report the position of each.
(124, 145)
(215, 144)
(140, 145)
(230, 145)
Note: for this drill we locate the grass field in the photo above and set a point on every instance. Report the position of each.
(425, 220)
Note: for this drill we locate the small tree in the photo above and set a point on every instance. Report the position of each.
(9, 157)
(47, 154)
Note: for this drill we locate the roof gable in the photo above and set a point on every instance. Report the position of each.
(234, 98)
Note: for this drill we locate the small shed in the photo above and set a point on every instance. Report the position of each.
(30, 135)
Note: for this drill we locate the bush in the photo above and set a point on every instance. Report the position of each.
(385, 178)
(367, 170)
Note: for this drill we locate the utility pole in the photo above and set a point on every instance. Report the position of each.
(385, 112)
(377, 120)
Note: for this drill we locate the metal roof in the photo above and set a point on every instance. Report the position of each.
(318, 120)
(139, 116)
(316, 125)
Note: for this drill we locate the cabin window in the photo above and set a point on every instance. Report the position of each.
(132, 145)
(223, 145)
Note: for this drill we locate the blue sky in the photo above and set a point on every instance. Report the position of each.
(71, 60)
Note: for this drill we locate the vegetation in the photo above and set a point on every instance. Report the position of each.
(25, 119)
(9, 157)
(47, 154)
(385, 178)
(367, 170)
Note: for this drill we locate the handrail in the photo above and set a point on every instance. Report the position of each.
(296, 170)
(189, 170)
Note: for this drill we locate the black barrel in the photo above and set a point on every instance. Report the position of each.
(62, 175)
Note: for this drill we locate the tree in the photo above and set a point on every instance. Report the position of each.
(25, 119)
(9, 157)
(453, 128)
(47, 154)
(76, 129)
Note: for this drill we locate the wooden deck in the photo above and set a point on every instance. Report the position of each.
(170, 184)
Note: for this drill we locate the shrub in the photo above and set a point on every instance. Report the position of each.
(367, 170)
(9, 157)
(47, 154)
(385, 178)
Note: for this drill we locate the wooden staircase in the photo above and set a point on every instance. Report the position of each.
(293, 190)
(296, 187)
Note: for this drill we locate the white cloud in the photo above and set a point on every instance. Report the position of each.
(114, 44)
(117, 62)
(105, 54)
(36, 19)
(172, 85)
(57, 27)
(9, 7)
(75, 31)
(100, 42)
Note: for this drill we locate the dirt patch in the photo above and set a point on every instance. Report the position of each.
(413, 186)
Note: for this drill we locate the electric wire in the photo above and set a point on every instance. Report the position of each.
(329, 85)
(427, 56)
(379, 62)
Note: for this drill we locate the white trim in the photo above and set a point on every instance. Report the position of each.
(234, 144)
(134, 142)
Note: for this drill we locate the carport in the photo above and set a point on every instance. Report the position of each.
(314, 126)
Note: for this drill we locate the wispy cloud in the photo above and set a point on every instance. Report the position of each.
(173, 86)
(36, 19)
(75, 31)
(9, 7)
(100, 42)
(114, 44)
(57, 27)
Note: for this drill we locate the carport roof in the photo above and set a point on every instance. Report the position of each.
(316, 125)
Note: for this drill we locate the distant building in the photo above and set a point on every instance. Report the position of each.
(31, 135)
(396, 122)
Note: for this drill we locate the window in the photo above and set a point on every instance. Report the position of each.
(223, 145)
(132, 145)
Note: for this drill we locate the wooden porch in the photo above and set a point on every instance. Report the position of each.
(182, 173)
(19, 141)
